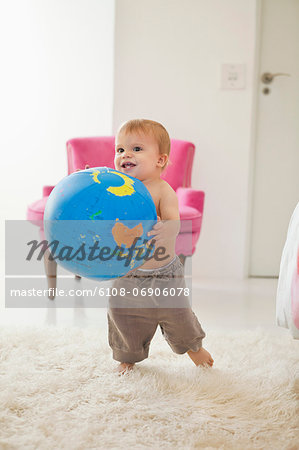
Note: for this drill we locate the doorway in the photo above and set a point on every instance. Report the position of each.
(276, 167)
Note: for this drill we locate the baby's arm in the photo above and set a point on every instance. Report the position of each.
(169, 226)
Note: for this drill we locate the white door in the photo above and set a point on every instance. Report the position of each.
(276, 172)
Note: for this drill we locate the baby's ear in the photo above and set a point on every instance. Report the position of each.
(162, 160)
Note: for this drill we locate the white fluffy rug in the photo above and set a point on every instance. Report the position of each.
(58, 391)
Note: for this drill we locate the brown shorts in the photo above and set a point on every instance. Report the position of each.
(134, 317)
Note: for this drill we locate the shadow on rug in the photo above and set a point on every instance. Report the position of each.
(58, 390)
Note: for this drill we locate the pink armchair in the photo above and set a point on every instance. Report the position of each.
(99, 151)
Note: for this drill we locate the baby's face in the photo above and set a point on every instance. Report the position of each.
(137, 154)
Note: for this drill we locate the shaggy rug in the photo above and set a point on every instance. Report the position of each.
(58, 391)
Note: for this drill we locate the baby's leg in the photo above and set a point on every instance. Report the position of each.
(183, 333)
(130, 333)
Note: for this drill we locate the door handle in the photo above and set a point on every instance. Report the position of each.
(267, 77)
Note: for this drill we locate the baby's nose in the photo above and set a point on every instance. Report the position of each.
(127, 153)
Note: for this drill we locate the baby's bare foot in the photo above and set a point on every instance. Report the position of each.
(123, 368)
(201, 358)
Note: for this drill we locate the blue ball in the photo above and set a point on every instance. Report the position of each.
(96, 223)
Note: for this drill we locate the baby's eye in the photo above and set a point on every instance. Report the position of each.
(119, 150)
(137, 149)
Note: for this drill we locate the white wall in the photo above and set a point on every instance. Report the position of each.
(56, 83)
(167, 67)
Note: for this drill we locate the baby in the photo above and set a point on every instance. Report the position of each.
(142, 150)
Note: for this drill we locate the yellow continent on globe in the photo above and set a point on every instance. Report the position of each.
(120, 191)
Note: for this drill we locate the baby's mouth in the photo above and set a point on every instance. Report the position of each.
(127, 165)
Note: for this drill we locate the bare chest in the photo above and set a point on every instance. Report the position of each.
(156, 198)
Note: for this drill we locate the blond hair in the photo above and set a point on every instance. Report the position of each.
(149, 126)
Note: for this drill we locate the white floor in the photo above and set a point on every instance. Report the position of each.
(219, 304)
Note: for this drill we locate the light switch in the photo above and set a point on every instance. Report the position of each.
(233, 76)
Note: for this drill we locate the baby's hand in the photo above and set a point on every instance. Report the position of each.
(160, 232)
(86, 167)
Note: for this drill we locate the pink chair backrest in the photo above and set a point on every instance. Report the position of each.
(99, 151)
(178, 171)
(94, 151)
